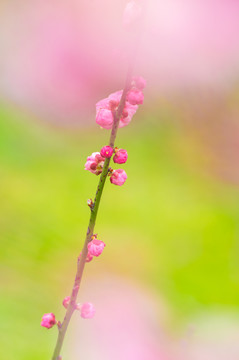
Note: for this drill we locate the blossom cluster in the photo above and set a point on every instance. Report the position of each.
(106, 111)
(95, 163)
(106, 108)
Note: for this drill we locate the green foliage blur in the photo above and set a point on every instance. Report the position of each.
(171, 227)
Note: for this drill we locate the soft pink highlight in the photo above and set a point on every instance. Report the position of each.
(56, 55)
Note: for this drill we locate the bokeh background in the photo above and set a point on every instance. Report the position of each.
(167, 285)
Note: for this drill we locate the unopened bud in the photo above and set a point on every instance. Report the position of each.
(121, 156)
(106, 151)
(66, 301)
(48, 320)
(87, 310)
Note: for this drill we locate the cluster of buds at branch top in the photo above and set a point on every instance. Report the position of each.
(135, 95)
(105, 116)
(106, 108)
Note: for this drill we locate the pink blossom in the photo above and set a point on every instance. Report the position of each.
(132, 14)
(128, 113)
(118, 177)
(121, 156)
(115, 98)
(138, 82)
(87, 310)
(106, 107)
(48, 320)
(106, 151)
(96, 247)
(66, 301)
(105, 118)
(95, 163)
(135, 97)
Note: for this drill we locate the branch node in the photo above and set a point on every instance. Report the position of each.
(90, 204)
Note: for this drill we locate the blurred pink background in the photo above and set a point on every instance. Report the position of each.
(57, 58)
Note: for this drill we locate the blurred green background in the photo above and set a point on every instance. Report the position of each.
(173, 227)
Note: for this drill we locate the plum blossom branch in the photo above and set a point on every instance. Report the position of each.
(98, 163)
(111, 113)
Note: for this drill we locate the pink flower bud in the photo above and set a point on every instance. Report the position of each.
(95, 163)
(132, 14)
(66, 301)
(87, 310)
(127, 114)
(139, 82)
(106, 151)
(135, 97)
(118, 177)
(104, 108)
(96, 247)
(105, 118)
(48, 320)
(121, 156)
